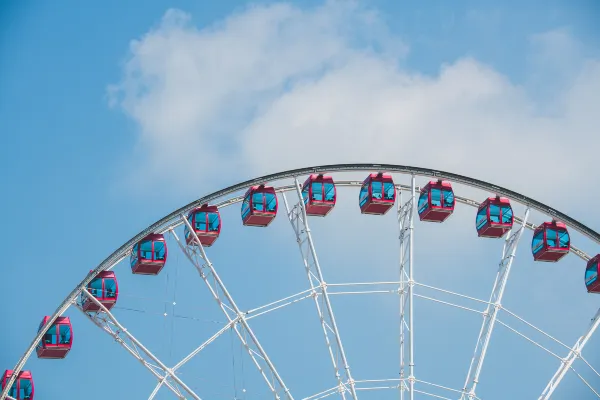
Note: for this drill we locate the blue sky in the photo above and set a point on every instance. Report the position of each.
(102, 136)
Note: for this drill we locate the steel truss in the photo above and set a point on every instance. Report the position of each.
(406, 226)
(106, 321)
(495, 304)
(299, 221)
(567, 362)
(197, 255)
(173, 219)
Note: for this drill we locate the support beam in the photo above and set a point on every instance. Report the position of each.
(568, 361)
(197, 256)
(489, 317)
(137, 345)
(405, 224)
(299, 221)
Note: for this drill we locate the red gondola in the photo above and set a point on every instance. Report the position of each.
(551, 242)
(377, 194)
(22, 389)
(105, 288)
(57, 341)
(259, 207)
(592, 283)
(436, 201)
(319, 195)
(494, 217)
(206, 222)
(149, 255)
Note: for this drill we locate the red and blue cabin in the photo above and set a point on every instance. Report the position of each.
(494, 217)
(57, 341)
(550, 242)
(436, 201)
(259, 207)
(319, 195)
(149, 255)
(206, 222)
(105, 288)
(22, 388)
(377, 194)
(592, 283)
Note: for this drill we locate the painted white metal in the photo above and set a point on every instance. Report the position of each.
(107, 327)
(567, 362)
(404, 213)
(411, 290)
(197, 256)
(489, 317)
(139, 345)
(299, 221)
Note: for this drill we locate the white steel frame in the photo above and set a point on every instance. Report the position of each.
(197, 256)
(490, 314)
(299, 221)
(406, 224)
(238, 320)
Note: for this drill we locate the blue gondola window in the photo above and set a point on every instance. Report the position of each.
(329, 192)
(436, 197)
(389, 191)
(257, 202)
(213, 222)
(159, 250)
(13, 390)
(200, 224)
(481, 218)
(110, 288)
(507, 214)
(134, 255)
(423, 202)
(317, 191)
(538, 242)
(551, 238)
(495, 213)
(364, 194)
(50, 335)
(305, 194)
(64, 334)
(563, 239)
(146, 250)
(95, 287)
(271, 201)
(246, 207)
(591, 274)
(376, 189)
(25, 389)
(448, 198)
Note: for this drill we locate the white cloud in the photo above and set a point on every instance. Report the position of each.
(275, 87)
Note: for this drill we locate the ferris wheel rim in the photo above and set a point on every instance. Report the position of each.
(123, 250)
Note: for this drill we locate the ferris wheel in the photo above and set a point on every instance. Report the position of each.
(303, 197)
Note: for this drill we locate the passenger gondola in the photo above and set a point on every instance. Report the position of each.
(436, 201)
(206, 222)
(57, 341)
(149, 255)
(550, 242)
(22, 388)
(319, 195)
(377, 194)
(259, 207)
(494, 217)
(104, 287)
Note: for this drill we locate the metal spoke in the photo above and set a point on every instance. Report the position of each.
(406, 289)
(105, 319)
(299, 220)
(197, 256)
(489, 317)
(567, 362)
